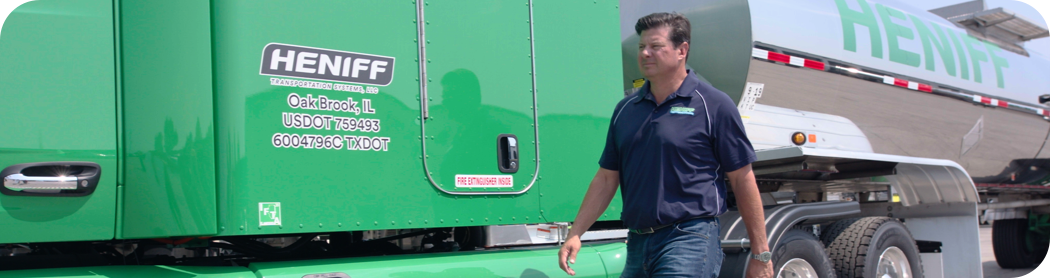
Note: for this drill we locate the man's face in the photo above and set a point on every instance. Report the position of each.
(657, 55)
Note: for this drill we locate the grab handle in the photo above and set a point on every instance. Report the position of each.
(507, 153)
(52, 179)
(19, 182)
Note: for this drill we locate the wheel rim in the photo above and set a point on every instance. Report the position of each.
(893, 264)
(795, 268)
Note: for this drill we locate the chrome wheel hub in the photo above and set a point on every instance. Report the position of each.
(893, 264)
(797, 268)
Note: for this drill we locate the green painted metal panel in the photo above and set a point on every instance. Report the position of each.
(532, 263)
(481, 87)
(168, 121)
(321, 190)
(59, 105)
(134, 271)
(614, 256)
(577, 95)
(317, 189)
(593, 260)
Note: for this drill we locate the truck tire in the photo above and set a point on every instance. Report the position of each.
(803, 255)
(1009, 241)
(872, 247)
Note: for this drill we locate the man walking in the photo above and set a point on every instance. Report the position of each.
(669, 149)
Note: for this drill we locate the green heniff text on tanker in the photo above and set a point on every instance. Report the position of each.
(943, 41)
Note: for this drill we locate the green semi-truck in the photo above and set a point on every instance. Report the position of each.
(232, 138)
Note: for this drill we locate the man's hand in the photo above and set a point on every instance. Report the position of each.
(599, 194)
(567, 254)
(757, 269)
(749, 202)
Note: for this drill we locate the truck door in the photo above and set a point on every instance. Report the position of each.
(480, 126)
(58, 154)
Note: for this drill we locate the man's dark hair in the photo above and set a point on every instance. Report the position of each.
(680, 28)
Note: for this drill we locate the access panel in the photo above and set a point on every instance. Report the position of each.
(480, 130)
(168, 121)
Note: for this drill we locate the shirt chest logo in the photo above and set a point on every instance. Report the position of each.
(682, 110)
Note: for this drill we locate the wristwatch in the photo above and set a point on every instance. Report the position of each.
(762, 257)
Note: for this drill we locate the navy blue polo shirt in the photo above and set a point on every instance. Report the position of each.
(673, 157)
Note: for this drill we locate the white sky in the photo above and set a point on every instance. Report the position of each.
(1040, 46)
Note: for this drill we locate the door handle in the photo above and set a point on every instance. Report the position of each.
(19, 182)
(56, 179)
(507, 153)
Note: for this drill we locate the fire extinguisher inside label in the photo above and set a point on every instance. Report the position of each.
(484, 181)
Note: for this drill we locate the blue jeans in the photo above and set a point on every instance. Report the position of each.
(687, 249)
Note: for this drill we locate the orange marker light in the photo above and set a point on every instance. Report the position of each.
(812, 138)
(798, 138)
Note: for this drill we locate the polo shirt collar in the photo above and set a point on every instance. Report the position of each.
(685, 90)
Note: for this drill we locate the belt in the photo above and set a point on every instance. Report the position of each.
(653, 229)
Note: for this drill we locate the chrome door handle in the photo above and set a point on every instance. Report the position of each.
(51, 179)
(19, 182)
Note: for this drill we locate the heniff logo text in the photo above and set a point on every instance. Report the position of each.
(942, 42)
(324, 64)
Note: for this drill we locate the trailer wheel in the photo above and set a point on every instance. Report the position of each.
(1010, 243)
(872, 247)
(800, 254)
